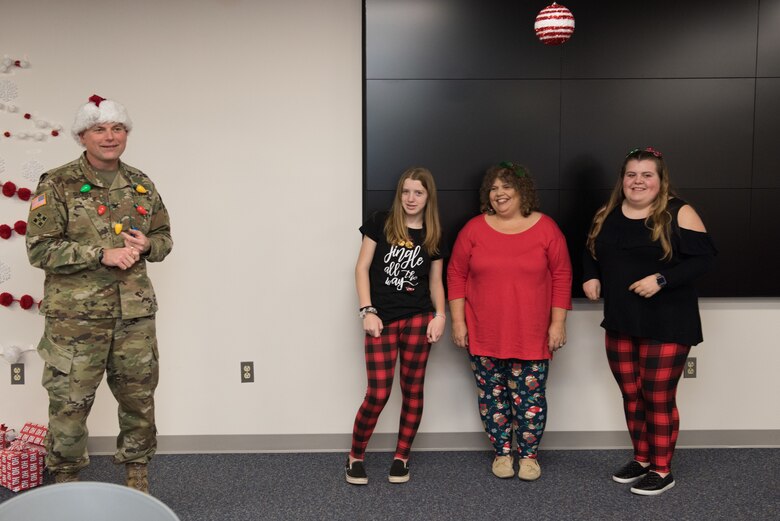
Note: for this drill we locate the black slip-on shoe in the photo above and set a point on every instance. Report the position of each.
(653, 484)
(399, 472)
(356, 473)
(630, 472)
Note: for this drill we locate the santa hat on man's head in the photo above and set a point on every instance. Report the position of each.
(96, 111)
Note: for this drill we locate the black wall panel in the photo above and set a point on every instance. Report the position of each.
(727, 215)
(446, 39)
(769, 38)
(458, 128)
(764, 262)
(766, 168)
(577, 205)
(662, 39)
(686, 119)
(458, 85)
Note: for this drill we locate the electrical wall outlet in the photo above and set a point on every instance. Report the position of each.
(690, 368)
(247, 372)
(17, 374)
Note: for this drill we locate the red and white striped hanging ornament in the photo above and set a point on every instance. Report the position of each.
(554, 24)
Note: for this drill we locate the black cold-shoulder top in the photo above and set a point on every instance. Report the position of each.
(626, 253)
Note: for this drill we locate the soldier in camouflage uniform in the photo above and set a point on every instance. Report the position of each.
(94, 223)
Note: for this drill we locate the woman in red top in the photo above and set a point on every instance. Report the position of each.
(509, 289)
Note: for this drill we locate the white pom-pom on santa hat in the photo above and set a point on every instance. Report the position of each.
(96, 111)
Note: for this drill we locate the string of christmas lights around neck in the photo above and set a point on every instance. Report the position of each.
(102, 208)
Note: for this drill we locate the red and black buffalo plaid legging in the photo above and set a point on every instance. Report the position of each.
(407, 338)
(647, 372)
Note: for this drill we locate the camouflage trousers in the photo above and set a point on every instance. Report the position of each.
(77, 354)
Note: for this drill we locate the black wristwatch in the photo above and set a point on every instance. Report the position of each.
(660, 279)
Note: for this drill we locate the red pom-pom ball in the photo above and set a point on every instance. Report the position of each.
(26, 302)
(5, 231)
(23, 194)
(6, 299)
(20, 227)
(9, 189)
(554, 24)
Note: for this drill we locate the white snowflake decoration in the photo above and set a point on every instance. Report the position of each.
(8, 91)
(32, 170)
(5, 273)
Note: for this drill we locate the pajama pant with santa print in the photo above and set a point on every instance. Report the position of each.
(511, 397)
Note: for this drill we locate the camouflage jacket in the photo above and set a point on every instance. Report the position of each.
(72, 217)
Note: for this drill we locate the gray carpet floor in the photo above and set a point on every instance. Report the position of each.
(712, 484)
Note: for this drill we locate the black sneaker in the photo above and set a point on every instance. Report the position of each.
(356, 473)
(653, 484)
(630, 472)
(399, 472)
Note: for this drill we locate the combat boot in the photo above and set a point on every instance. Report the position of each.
(137, 476)
(66, 477)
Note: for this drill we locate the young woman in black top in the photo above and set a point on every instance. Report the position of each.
(644, 251)
(399, 283)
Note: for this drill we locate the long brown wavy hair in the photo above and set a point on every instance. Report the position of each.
(658, 221)
(396, 230)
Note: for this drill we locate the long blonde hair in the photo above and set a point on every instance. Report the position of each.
(658, 221)
(396, 230)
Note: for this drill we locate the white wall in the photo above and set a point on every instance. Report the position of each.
(248, 118)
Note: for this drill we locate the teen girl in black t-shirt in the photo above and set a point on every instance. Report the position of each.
(399, 284)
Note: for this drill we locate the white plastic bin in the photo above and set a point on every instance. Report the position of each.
(85, 501)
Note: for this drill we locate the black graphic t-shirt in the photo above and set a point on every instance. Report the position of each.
(398, 273)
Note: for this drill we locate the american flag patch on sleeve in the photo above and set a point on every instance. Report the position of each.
(38, 202)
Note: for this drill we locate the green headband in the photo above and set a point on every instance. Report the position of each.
(518, 170)
(649, 150)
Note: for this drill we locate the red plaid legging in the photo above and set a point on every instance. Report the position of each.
(647, 372)
(406, 337)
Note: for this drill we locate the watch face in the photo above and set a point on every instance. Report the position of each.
(661, 280)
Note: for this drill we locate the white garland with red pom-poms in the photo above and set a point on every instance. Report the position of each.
(11, 354)
(35, 119)
(554, 24)
(25, 301)
(8, 63)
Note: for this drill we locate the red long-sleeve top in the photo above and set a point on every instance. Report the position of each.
(510, 283)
